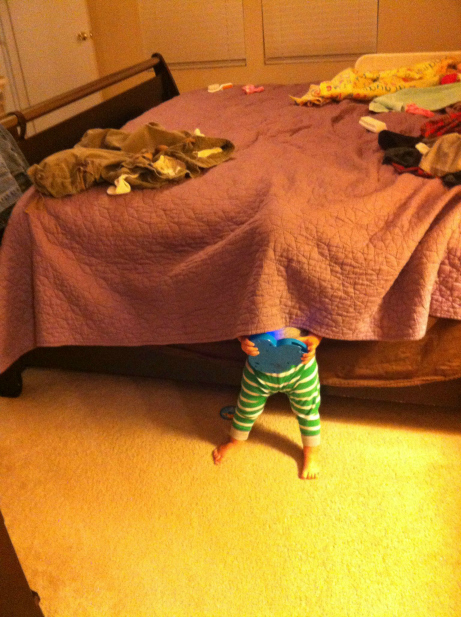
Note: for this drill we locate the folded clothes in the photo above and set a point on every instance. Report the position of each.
(433, 98)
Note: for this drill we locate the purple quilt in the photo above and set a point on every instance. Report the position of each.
(303, 226)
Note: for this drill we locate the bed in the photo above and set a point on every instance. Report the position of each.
(301, 225)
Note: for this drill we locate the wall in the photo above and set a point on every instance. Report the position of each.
(404, 25)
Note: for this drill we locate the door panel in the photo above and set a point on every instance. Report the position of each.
(52, 56)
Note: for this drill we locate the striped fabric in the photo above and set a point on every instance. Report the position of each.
(301, 385)
(441, 125)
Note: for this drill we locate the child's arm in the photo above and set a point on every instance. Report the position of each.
(248, 346)
(312, 341)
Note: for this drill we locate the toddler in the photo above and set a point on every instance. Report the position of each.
(301, 385)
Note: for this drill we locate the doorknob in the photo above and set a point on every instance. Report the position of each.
(84, 36)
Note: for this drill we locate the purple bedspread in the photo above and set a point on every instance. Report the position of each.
(303, 226)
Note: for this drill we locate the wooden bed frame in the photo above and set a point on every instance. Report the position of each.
(173, 362)
(111, 113)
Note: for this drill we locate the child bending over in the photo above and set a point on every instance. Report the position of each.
(301, 385)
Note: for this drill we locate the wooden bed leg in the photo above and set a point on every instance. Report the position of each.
(11, 381)
(16, 597)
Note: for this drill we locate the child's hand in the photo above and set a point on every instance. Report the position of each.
(248, 346)
(312, 341)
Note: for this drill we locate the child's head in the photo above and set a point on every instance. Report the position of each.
(289, 332)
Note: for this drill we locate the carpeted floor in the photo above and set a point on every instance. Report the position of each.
(115, 508)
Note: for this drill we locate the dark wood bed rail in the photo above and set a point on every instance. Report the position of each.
(111, 113)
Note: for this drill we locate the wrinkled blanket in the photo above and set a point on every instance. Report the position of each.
(302, 226)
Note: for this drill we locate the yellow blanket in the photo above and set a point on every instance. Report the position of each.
(353, 84)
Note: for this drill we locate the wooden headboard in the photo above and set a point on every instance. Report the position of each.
(111, 113)
(384, 62)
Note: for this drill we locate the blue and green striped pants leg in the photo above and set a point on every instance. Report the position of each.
(301, 385)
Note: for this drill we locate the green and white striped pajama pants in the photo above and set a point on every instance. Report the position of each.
(301, 385)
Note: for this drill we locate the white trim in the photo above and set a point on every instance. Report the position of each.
(383, 62)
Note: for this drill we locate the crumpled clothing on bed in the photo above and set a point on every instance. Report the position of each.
(444, 157)
(433, 99)
(368, 85)
(148, 158)
(442, 125)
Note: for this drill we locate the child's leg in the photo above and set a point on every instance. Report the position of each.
(311, 466)
(250, 404)
(305, 403)
(224, 449)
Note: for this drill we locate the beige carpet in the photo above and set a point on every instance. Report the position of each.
(116, 510)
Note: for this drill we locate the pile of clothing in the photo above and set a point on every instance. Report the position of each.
(370, 85)
(436, 153)
(149, 157)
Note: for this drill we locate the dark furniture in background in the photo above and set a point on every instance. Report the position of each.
(16, 597)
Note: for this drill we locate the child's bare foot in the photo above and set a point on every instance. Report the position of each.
(221, 451)
(311, 467)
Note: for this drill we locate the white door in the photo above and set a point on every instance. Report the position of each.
(47, 50)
